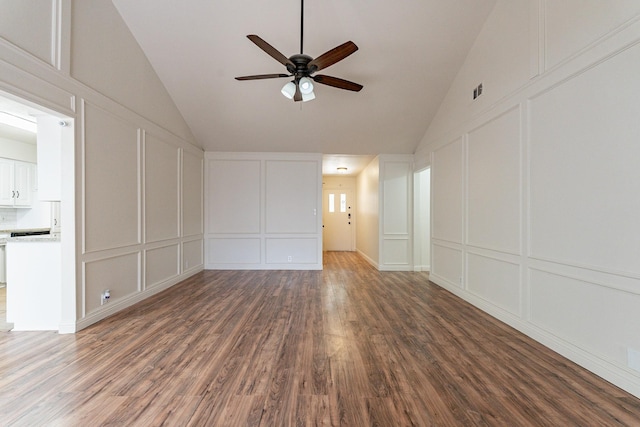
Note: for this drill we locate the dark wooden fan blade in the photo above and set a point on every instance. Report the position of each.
(263, 76)
(270, 50)
(331, 57)
(298, 96)
(336, 82)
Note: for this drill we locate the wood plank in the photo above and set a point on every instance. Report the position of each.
(348, 345)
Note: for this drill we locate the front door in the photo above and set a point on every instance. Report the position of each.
(338, 219)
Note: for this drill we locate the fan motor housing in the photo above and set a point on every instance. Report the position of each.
(301, 62)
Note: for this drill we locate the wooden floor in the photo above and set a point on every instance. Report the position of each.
(345, 346)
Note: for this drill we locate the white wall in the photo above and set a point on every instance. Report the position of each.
(368, 215)
(263, 211)
(535, 183)
(132, 206)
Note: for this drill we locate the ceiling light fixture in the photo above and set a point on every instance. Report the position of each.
(289, 90)
(342, 170)
(303, 67)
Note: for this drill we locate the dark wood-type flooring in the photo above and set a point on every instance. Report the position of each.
(345, 346)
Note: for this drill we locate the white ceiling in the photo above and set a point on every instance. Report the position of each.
(409, 53)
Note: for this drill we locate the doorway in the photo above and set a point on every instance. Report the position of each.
(338, 219)
(55, 213)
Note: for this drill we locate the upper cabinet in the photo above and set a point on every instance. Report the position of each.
(16, 183)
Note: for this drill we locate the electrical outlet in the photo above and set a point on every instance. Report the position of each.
(105, 296)
(289, 258)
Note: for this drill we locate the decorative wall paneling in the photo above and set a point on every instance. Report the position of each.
(542, 188)
(395, 214)
(263, 211)
(145, 180)
(121, 213)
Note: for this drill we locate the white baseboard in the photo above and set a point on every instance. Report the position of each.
(119, 305)
(622, 377)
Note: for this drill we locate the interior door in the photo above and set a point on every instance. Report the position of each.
(338, 220)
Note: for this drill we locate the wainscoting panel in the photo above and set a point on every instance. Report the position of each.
(120, 274)
(592, 320)
(301, 251)
(161, 265)
(447, 264)
(192, 254)
(229, 251)
(495, 281)
(396, 251)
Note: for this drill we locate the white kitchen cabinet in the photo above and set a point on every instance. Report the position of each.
(16, 183)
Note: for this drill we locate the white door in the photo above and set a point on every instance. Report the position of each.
(338, 220)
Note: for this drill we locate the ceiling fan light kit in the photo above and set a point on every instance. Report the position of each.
(289, 90)
(303, 67)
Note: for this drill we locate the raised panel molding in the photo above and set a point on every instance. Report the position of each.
(261, 209)
(234, 196)
(447, 207)
(396, 186)
(583, 169)
(40, 38)
(233, 251)
(572, 26)
(192, 186)
(494, 179)
(301, 251)
(396, 252)
(111, 151)
(192, 254)
(161, 264)
(496, 281)
(447, 264)
(161, 189)
(121, 274)
(291, 204)
(590, 322)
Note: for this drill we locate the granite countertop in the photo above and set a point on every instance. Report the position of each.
(5, 236)
(37, 238)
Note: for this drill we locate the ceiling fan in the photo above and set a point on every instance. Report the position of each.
(303, 67)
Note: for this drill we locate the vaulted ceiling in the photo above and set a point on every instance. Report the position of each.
(409, 53)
